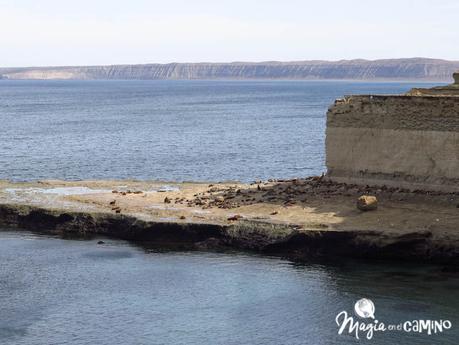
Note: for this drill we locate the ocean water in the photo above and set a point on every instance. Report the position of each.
(168, 130)
(55, 291)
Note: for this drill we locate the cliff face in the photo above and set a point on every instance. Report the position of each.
(396, 69)
(400, 141)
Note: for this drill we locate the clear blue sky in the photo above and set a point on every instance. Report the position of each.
(82, 32)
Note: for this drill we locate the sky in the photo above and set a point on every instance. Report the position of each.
(99, 32)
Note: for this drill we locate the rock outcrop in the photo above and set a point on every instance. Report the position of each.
(448, 90)
(407, 141)
(391, 69)
(274, 239)
(299, 219)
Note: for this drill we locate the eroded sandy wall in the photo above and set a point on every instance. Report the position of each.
(403, 141)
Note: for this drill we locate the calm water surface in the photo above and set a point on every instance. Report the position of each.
(168, 130)
(55, 291)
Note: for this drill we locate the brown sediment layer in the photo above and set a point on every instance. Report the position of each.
(298, 219)
(399, 112)
(404, 141)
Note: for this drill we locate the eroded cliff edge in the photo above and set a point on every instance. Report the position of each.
(299, 219)
(408, 141)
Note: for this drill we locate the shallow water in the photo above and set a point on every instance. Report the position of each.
(55, 291)
(168, 130)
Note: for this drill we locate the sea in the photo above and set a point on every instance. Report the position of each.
(169, 130)
(68, 291)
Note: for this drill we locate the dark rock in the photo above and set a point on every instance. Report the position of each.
(235, 217)
(264, 237)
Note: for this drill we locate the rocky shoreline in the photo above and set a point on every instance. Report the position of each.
(274, 239)
(299, 219)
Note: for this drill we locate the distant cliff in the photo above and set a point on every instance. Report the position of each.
(392, 69)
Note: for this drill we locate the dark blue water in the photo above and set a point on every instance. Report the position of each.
(55, 291)
(168, 130)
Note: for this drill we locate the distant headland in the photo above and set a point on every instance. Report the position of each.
(412, 69)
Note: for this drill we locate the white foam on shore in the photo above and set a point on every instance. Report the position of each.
(60, 191)
(50, 196)
(167, 188)
(164, 188)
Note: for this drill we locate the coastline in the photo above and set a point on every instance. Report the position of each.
(298, 219)
(358, 69)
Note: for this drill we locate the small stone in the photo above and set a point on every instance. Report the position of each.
(118, 211)
(274, 213)
(367, 203)
(112, 202)
(167, 200)
(100, 242)
(182, 217)
(289, 203)
(235, 217)
(219, 199)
